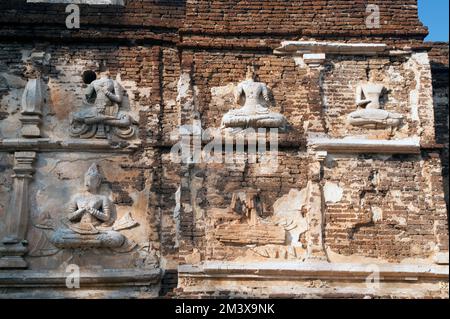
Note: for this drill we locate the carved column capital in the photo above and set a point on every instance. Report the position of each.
(314, 60)
(23, 163)
(321, 156)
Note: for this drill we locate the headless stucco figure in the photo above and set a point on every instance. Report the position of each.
(254, 113)
(370, 114)
(102, 116)
(88, 213)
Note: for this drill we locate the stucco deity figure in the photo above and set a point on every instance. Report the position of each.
(369, 113)
(254, 113)
(89, 219)
(102, 115)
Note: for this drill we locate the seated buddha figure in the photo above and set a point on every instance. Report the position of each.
(254, 113)
(369, 113)
(88, 223)
(101, 116)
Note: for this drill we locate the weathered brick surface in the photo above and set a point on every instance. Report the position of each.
(306, 17)
(138, 13)
(250, 24)
(392, 208)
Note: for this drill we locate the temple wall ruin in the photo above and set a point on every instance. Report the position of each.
(346, 193)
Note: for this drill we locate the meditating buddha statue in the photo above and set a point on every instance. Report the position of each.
(102, 116)
(254, 113)
(370, 114)
(89, 221)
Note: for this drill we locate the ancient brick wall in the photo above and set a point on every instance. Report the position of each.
(439, 67)
(306, 17)
(380, 199)
(138, 13)
(137, 20)
(386, 212)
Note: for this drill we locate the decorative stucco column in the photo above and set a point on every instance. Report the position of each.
(14, 245)
(314, 60)
(316, 249)
(315, 206)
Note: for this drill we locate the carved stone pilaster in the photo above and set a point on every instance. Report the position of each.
(31, 113)
(14, 245)
(316, 246)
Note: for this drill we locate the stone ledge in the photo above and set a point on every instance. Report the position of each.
(54, 279)
(285, 139)
(322, 271)
(311, 280)
(405, 146)
(341, 48)
(49, 145)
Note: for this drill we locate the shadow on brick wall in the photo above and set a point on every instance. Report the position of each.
(441, 113)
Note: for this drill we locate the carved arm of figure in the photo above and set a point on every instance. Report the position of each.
(89, 94)
(75, 213)
(265, 93)
(238, 93)
(360, 102)
(117, 95)
(104, 215)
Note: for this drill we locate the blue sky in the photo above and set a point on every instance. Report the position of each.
(434, 14)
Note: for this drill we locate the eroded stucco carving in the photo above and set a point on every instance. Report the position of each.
(255, 113)
(369, 113)
(244, 224)
(36, 65)
(91, 220)
(32, 102)
(102, 116)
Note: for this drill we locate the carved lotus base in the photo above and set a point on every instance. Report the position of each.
(375, 119)
(270, 120)
(66, 238)
(100, 131)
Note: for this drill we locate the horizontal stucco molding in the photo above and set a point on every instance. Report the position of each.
(360, 145)
(114, 277)
(319, 270)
